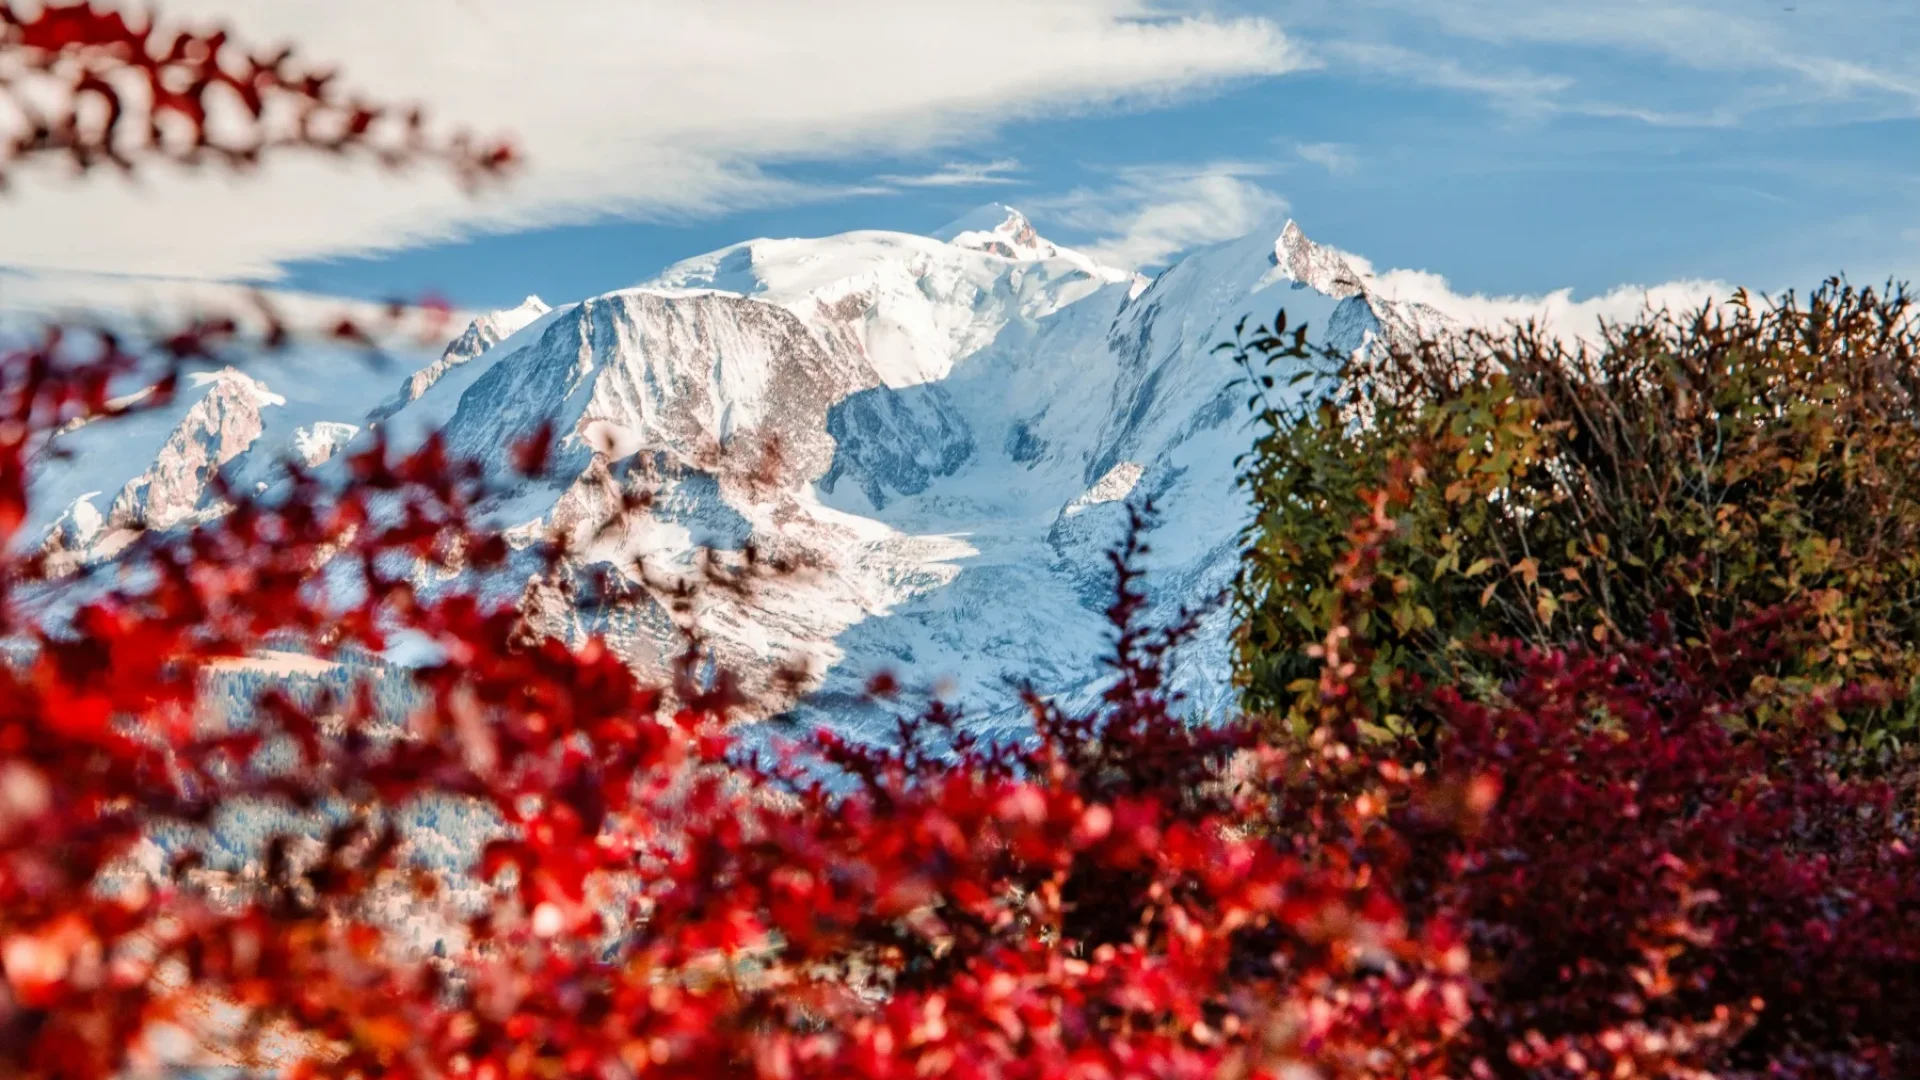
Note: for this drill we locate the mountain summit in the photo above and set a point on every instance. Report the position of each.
(999, 229)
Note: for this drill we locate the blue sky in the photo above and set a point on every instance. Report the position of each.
(1511, 146)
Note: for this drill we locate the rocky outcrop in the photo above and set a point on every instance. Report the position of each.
(220, 426)
(1314, 266)
(480, 335)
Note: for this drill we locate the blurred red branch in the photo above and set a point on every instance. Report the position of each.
(92, 85)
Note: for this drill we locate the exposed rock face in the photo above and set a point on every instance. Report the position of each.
(219, 427)
(1321, 269)
(1000, 230)
(303, 407)
(891, 442)
(1364, 315)
(480, 335)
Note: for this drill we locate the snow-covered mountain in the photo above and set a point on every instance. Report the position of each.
(939, 434)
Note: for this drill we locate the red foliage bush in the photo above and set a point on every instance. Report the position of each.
(1597, 879)
(1650, 873)
(1085, 905)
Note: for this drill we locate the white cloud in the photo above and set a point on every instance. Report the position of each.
(650, 108)
(1152, 213)
(1519, 91)
(960, 174)
(1760, 56)
(142, 308)
(1830, 53)
(1557, 311)
(1336, 158)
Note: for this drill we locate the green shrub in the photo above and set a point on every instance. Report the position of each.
(1678, 473)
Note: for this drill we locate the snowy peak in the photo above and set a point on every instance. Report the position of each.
(480, 335)
(912, 305)
(1315, 266)
(1000, 230)
(532, 308)
(684, 375)
(492, 328)
(219, 427)
(1366, 315)
(74, 534)
(985, 218)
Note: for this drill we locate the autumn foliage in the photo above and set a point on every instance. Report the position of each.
(1601, 868)
(1697, 467)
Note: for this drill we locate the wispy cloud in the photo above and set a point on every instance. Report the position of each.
(1336, 158)
(1719, 116)
(1516, 90)
(959, 174)
(641, 108)
(1748, 58)
(1151, 213)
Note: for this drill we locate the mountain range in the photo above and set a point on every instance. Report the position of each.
(939, 435)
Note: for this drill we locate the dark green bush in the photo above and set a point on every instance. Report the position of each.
(1681, 471)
